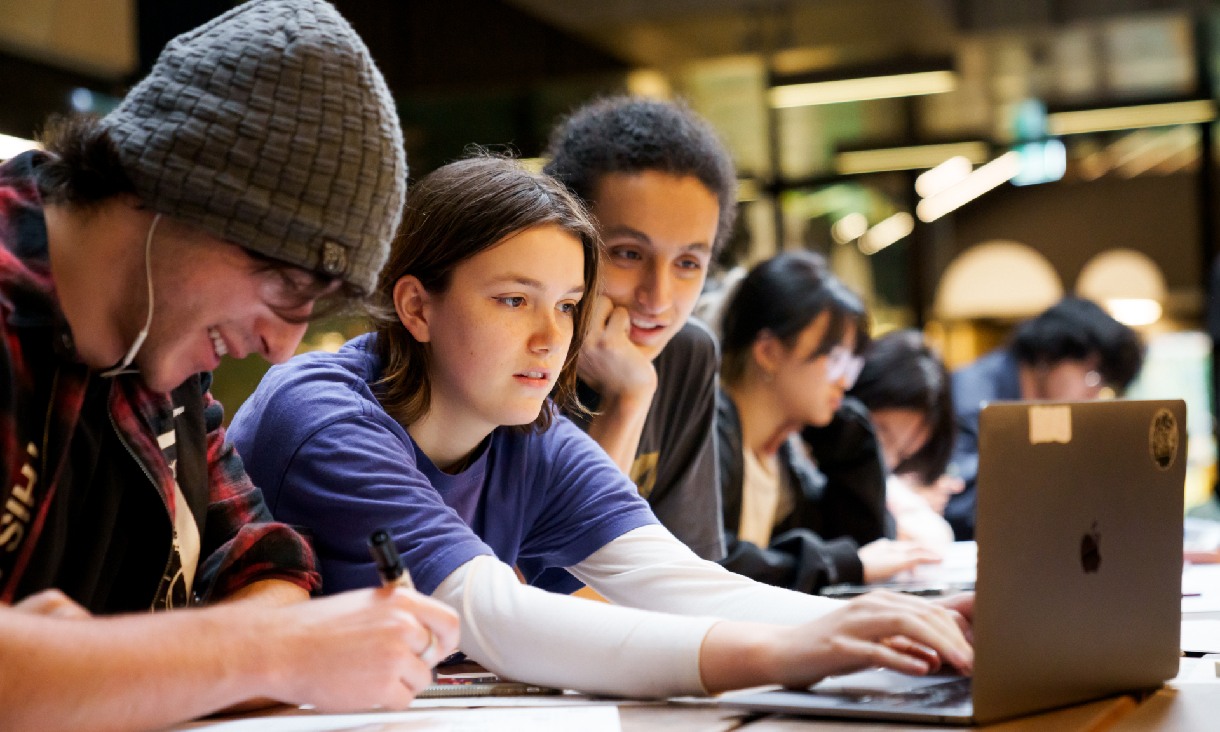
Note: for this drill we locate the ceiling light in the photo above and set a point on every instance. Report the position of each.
(1129, 283)
(908, 78)
(952, 171)
(1160, 147)
(1134, 311)
(886, 232)
(997, 279)
(860, 90)
(989, 176)
(849, 228)
(914, 157)
(1084, 121)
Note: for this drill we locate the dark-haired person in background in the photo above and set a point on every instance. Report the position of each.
(1072, 351)
(792, 335)
(906, 388)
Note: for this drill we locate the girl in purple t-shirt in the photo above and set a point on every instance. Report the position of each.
(442, 427)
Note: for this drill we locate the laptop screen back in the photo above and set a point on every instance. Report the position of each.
(1079, 532)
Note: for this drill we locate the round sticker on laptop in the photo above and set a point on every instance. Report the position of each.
(1163, 439)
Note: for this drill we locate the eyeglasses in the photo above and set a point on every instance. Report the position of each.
(841, 363)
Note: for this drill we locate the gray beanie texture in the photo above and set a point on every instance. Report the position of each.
(270, 127)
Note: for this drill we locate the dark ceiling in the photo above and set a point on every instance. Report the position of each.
(498, 71)
(461, 72)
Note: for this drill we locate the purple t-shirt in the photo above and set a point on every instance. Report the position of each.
(333, 463)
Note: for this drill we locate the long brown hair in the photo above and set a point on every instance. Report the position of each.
(451, 215)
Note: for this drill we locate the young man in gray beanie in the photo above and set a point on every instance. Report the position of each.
(256, 171)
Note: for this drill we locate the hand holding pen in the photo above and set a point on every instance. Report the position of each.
(394, 574)
(354, 650)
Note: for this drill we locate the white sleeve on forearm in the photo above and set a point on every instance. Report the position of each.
(527, 634)
(648, 568)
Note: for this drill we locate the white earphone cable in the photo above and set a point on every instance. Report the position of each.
(121, 368)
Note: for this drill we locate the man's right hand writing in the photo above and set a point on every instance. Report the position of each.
(361, 649)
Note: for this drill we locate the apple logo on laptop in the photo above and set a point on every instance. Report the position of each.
(1090, 550)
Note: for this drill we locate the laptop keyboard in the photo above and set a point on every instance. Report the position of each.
(951, 692)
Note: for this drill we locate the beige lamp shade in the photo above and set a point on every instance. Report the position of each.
(1127, 283)
(997, 279)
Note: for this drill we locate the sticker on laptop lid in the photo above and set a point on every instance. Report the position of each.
(1163, 439)
(1050, 424)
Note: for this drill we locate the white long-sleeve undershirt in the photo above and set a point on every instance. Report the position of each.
(646, 644)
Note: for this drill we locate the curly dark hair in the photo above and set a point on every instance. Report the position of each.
(83, 167)
(626, 134)
(1078, 329)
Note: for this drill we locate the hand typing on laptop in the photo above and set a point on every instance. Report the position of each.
(900, 632)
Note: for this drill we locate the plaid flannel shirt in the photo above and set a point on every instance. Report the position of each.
(239, 543)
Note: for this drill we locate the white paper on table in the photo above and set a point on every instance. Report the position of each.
(568, 698)
(1201, 636)
(593, 718)
(1201, 588)
(1204, 670)
(958, 566)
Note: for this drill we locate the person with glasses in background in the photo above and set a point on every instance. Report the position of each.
(1072, 351)
(792, 339)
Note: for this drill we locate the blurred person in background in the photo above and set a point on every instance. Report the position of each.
(792, 338)
(906, 388)
(1072, 351)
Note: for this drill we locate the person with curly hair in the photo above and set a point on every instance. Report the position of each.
(1071, 351)
(662, 188)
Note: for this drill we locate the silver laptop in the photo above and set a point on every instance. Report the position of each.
(1079, 532)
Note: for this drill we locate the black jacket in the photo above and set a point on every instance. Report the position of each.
(842, 498)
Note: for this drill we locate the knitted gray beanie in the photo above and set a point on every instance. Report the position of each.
(270, 127)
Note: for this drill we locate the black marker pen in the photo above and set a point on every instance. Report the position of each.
(388, 561)
(393, 574)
